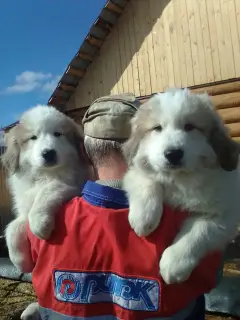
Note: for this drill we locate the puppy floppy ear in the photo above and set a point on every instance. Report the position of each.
(140, 124)
(78, 136)
(77, 139)
(130, 147)
(10, 159)
(226, 149)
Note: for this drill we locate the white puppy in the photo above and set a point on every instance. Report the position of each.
(180, 154)
(45, 169)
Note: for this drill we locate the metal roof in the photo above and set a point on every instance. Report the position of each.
(85, 55)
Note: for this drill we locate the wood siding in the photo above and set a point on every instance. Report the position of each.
(162, 43)
(225, 96)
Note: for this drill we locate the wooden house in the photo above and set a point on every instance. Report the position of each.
(146, 46)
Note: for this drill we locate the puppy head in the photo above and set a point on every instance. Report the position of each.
(180, 131)
(45, 139)
(54, 139)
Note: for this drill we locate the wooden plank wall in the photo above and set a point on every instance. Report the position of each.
(162, 43)
(225, 96)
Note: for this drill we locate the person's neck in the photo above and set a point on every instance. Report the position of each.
(112, 172)
(110, 177)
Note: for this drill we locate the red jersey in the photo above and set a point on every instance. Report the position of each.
(95, 267)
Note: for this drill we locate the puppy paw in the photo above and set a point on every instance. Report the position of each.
(41, 226)
(143, 222)
(31, 312)
(175, 267)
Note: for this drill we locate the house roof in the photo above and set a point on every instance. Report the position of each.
(85, 55)
(9, 126)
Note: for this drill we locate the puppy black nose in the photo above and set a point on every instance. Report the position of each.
(174, 156)
(50, 156)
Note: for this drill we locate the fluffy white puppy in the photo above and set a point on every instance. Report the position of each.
(180, 154)
(45, 168)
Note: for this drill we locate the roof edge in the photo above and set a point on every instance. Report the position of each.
(92, 43)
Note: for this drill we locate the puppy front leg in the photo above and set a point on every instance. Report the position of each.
(145, 201)
(47, 202)
(197, 238)
(18, 245)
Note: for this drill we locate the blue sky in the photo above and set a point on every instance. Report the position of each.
(38, 38)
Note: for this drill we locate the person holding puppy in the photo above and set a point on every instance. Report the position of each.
(94, 266)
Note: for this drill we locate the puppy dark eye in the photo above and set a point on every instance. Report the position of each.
(33, 138)
(189, 127)
(158, 128)
(57, 134)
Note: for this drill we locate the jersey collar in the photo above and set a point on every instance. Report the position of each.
(104, 196)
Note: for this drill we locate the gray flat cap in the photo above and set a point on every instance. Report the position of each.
(109, 117)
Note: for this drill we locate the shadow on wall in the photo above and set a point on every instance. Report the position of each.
(134, 26)
(124, 62)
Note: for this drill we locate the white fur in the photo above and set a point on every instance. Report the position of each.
(199, 184)
(31, 312)
(38, 189)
